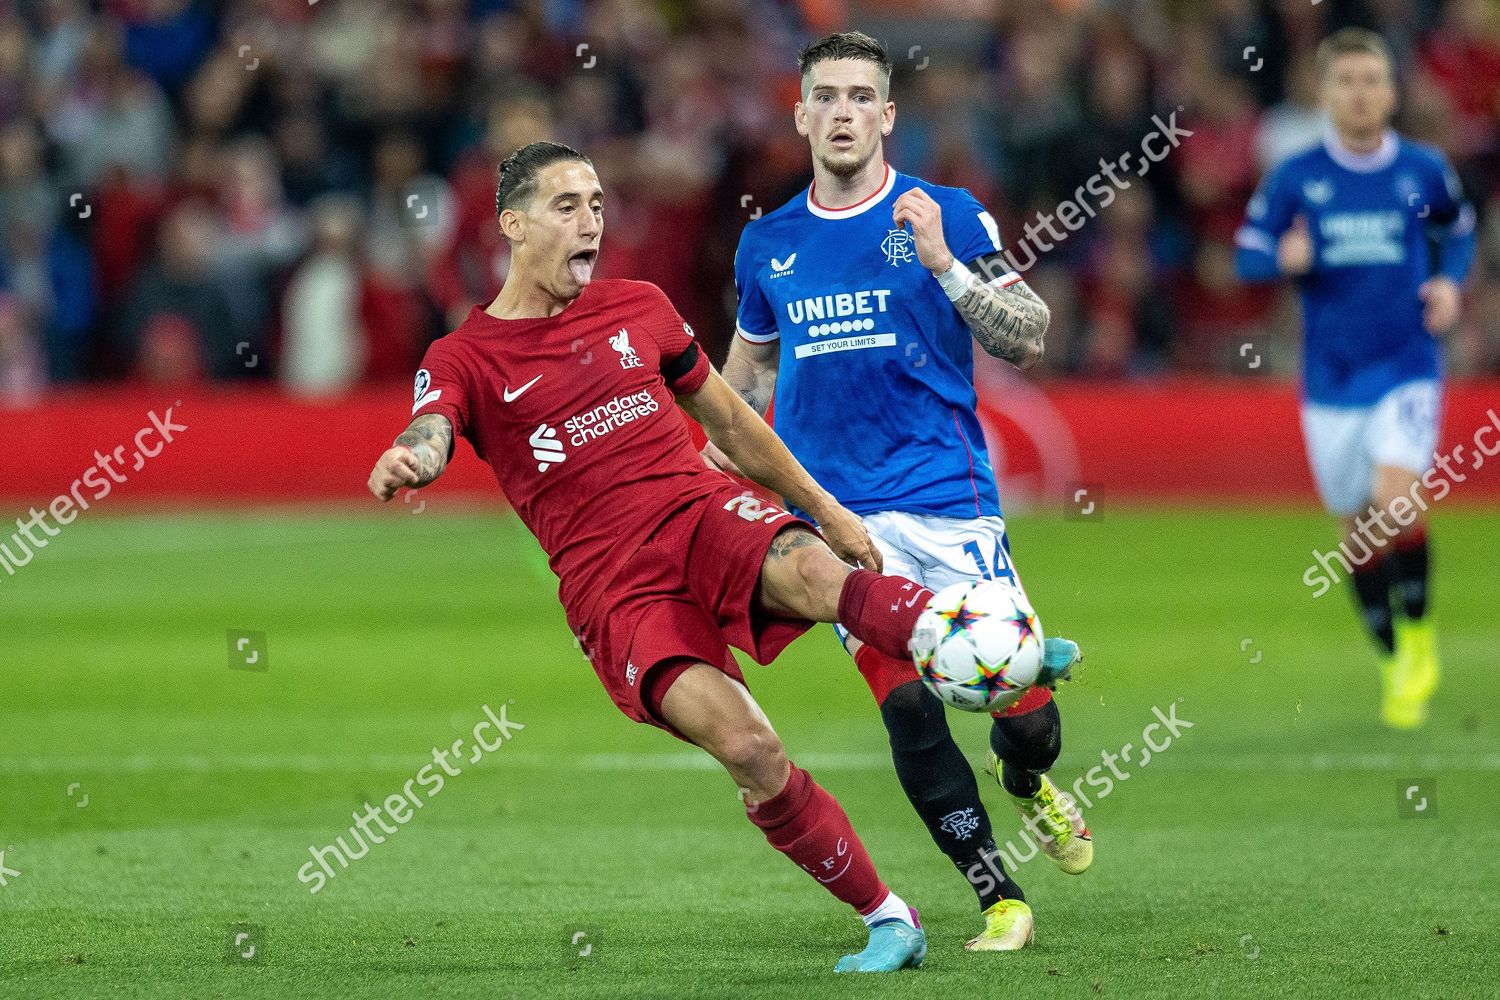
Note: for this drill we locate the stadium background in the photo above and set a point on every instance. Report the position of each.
(278, 195)
(256, 214)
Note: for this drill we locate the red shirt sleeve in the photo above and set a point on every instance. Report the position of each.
(441, 387)
(684, 365)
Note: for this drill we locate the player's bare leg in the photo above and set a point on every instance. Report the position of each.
(802, 578)
(718, 714)
(798, 817)
(1411, 674)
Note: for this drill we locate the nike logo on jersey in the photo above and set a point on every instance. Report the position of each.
(511, 397)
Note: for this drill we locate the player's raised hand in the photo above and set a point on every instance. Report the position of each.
(1441, 299)
(396, 468)
(846, 535)
(1294, 252)
(926, 217)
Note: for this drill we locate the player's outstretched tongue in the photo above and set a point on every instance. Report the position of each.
(581, 265)
(882, 611)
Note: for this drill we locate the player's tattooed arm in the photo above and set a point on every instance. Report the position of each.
(1010, 323)
(751, 370)
(416, 458)
(430, 438)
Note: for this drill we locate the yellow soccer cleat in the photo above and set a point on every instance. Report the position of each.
(1008, 926)
(1420, 640)
(1410, 675)
(1057, 823)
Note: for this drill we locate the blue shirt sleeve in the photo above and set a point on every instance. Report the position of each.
(1267, 217)
(1451, 220)
(971, 231)
(754, 320)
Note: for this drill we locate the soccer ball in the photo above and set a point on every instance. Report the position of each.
(978, 645)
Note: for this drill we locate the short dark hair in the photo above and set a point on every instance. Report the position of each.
(1350, 40)
(845, 45)
(518, 171)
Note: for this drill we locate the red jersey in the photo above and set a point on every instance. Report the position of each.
(575, 414)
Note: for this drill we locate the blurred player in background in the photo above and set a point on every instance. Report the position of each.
(1375, 230)
(565, 386)
(858, 306)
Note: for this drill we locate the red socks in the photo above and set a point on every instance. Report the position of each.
(883, 673)
(1032, 700)
(881, 611)
(808, 825)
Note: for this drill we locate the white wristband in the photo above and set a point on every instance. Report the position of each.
(956, 281)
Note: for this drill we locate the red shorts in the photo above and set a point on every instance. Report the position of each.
(685, 597)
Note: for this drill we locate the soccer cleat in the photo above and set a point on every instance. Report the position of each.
(1008, 926)
(1058, 824)
(894, 944)
(1410, 675)
(1059, 657)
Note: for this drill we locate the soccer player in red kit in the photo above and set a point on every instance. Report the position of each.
(565, 386)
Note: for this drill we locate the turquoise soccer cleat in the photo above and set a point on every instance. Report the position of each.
(894, 944)
(1059, 657)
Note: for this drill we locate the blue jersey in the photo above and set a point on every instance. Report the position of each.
(1381, 224)
(875, 388)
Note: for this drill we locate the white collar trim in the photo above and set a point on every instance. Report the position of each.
(858, 207)
(1361, 163)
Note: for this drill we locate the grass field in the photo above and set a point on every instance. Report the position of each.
(1265, 853)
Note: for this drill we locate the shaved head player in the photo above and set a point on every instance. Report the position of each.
(663, 563)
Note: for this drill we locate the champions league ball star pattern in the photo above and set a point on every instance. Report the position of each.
(978, 645)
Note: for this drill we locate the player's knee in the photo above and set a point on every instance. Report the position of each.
(820, 574)
(1031, 742)
(914, 718)
(753, 751)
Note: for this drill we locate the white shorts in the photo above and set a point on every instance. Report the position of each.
(1345, 444)
(938, 551)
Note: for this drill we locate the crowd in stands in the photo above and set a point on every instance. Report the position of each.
(303, 190)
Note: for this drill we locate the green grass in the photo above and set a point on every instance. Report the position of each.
(1262, 854)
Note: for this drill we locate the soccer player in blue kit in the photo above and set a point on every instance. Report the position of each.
(859, 302)
(1375, 230)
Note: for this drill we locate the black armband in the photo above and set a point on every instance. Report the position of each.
(680, 366)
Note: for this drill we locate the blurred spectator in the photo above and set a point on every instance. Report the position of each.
(166, 39)
(1294, 124)
(178, 324)
(22, 378)
(62, 31)
(1463, 56)
(323, 345)
(258, 234)
(1217, 162)
(111, 116)
(1037, 117)
(1125, 294)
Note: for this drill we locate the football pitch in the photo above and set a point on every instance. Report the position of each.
(156, 805)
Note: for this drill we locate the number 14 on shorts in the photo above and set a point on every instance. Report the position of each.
(998, 568)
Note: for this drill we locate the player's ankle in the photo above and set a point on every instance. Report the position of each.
(892, 907)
